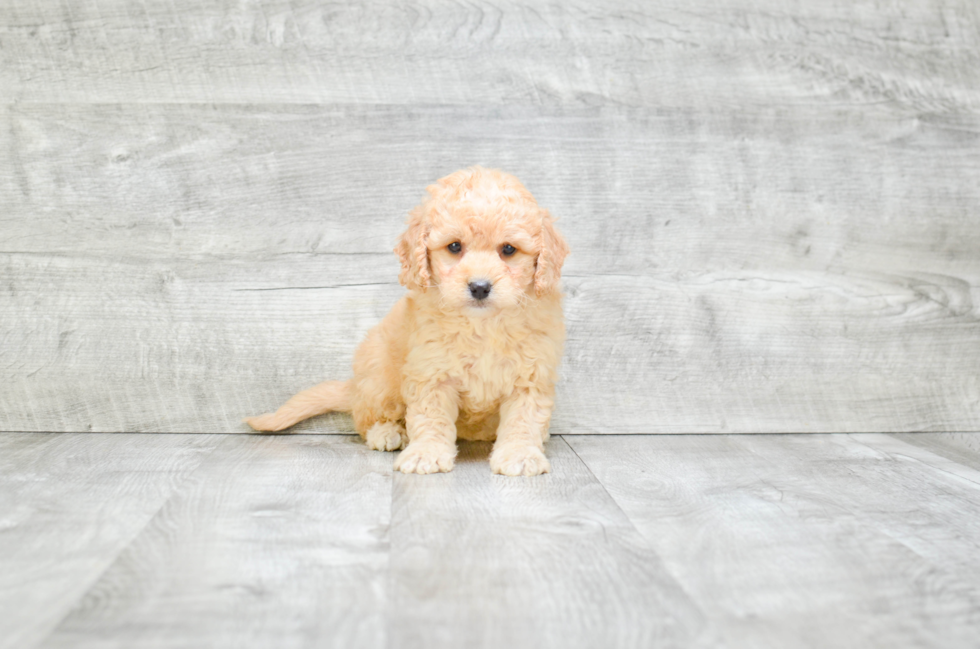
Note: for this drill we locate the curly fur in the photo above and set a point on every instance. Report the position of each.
(443, 364)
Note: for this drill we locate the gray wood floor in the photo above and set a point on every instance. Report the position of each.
(782, 541)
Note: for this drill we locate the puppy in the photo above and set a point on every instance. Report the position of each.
(472, 351)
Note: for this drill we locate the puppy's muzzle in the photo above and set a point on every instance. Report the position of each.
(480, 289)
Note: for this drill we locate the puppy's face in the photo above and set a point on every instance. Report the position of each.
(481, 262)
(482, 241)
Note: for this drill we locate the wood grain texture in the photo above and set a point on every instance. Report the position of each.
(921, 53)
(771, 205)
(479, 560)
(844, 541)
(276, 541)
(207, 262)
(69, 506)
(959, 447)
(783, 541)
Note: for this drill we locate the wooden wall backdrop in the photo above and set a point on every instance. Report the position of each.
(773, 205)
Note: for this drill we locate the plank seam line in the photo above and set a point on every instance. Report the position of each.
(389, 570)
(908, 457)
(963, 455)
(606, 491)
(647, 542)
(95, 580)
(307, 288)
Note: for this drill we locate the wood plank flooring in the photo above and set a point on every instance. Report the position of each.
(68, 506)
(782, 541)
(271, 543)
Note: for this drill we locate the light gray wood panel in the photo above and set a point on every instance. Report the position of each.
(789, 540)
(789, 269)
(159, 181)
(938, 518)
(151, 345)
(636, 190)
(919, 53)
(188, 346)
(277, 541)
(69, 505)
(960, 447)
(802, 353)
(487, 561)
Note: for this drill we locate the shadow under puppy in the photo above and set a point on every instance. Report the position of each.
(472, 351)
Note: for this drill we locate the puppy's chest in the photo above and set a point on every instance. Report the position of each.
(484, 380)
(484, 364)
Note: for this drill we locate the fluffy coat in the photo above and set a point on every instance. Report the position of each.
(449, 361)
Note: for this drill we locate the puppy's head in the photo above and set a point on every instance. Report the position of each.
(481, 240)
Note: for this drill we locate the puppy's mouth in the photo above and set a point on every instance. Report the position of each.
(479, 307)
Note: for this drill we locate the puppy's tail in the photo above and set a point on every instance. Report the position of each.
(325, 397)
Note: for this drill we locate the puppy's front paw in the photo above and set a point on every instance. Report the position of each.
(426, 457)
(523, 459)
(386, 436)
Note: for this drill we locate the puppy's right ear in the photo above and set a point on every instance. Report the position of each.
(413, 253)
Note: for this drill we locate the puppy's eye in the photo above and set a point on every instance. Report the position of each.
(508, 250)
(455, 247)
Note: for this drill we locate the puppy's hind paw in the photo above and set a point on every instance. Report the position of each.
(519, 460)
(426, 457)
(386, 436)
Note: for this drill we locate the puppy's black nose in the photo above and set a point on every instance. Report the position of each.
(480, 289)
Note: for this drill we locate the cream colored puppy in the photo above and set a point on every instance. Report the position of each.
(472, 350)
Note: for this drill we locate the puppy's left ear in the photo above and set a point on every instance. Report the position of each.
(552, 255)
(413, 253)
